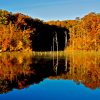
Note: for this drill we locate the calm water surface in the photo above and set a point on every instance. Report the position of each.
(32, 77)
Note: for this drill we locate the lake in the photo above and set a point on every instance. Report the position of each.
(48, 76)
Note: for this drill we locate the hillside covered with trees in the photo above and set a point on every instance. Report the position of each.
(21, 32)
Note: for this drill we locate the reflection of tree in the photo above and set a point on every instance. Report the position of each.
(83, 69)
(21, 70)
(11, 67)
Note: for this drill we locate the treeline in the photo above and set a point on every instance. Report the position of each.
(84, 32)
(17, 31)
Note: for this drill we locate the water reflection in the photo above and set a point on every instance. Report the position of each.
(20, 70)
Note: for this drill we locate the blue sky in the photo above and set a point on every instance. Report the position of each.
(52, 9)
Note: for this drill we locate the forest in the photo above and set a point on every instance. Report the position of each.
(21, 32)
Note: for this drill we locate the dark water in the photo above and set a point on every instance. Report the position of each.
(30, 77)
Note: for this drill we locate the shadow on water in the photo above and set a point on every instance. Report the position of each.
(21, 70)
